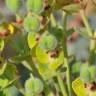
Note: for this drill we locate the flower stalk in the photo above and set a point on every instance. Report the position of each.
(64, 46)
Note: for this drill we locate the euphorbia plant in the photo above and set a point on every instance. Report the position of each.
(39, 44)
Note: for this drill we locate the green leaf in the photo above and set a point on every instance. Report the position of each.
(33, 86)
(5, 83)
(20, 45)
(10, 72)
(72, 8)
(1, 45)
(42, 56)
(31, 40)
(19, 58)
(35, 5)
(82, 31)
(31, 23)
(13, 5)
(2, 70)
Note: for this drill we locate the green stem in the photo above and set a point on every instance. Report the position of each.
(47, 90)
(62, 85)
(92, 40)
(92, 56)
(89, 30)
(64, 45)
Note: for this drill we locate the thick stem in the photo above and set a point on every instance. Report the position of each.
(62, 86)
(92, 56)
(92, 52)
(64, 46)
(47, 90)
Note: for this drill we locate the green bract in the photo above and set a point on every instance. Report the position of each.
(31, 40)
(2, 70)
(48, 42)
(88, 73)
(1, 44)
(57, 62)
(35, 5)
(13, 5)
(31, 23)
(33, 86)
(41, 55)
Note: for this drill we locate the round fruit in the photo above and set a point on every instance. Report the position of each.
(48, 42)
(85, 74)
(31, 23)
(13, 5)
(35, 5)
(33, 86)
(92, 70)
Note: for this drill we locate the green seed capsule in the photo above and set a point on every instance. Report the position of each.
(48, 42)
(31, 23)
(85, 74)
(35, 5)
(92, 70)
(33, 86)
(30, 4)
(13, 5)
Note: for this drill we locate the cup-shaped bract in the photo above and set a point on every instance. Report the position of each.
(35, 6)
(13, 5)
(31, 23)
(48, 42)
